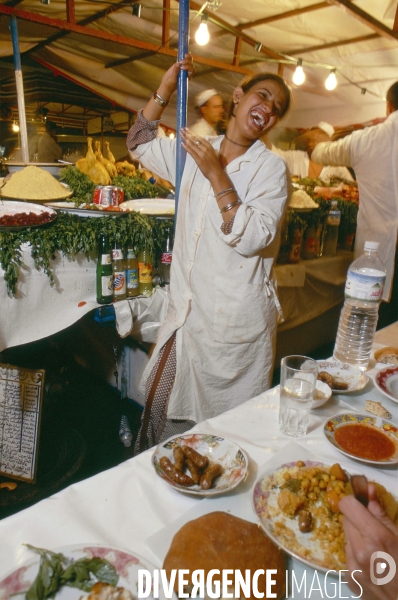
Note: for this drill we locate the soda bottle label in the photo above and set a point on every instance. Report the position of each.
(106, 286)
(368, 287)
(119, 283)
(132, 279)
(145, 272)
(130, 254)
(105, 259)
(166, 258)
(117, 254)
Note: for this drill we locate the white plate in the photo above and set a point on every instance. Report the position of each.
(13, 207)
(264, 498)
(355, 378)
(150, 206)
(324, 392)
(69, 207)
(384, 426)
(386, 382)
(217, 449)
(126, 564)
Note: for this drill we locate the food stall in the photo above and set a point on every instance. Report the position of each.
(50, 271)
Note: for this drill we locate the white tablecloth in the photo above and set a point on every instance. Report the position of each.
(130, 507)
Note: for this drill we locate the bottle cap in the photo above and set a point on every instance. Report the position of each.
(372, 246)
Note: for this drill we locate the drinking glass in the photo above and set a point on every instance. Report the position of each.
(298, 381)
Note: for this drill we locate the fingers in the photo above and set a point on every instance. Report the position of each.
(191, 142)
(186, 64)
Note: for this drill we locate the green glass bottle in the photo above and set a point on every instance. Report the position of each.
(104, 272)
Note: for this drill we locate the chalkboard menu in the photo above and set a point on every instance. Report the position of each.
(21, 394)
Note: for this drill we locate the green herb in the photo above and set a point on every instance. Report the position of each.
(81, 184)
(56, 570)
(71, 235)
(294, 485)
(135, 187)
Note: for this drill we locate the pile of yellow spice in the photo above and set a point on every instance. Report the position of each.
(33, 183)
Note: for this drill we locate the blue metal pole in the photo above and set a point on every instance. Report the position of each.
(20, 93)
(182, 94)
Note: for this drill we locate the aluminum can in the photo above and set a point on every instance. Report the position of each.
(108, 195)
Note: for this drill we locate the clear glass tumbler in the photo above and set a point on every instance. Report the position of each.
(298, 381)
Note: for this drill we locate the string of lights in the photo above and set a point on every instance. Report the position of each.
(202, 37)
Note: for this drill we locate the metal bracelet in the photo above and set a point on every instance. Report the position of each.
(230, 206)
(226, 192)
(231, 189)
(159, 100)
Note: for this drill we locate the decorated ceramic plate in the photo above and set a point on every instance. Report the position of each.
(11, 213)
(386, 382)
(345, 374)
(150, 206)
(365, 438)
(276, 500)
(69, 207)
(229, 455)
(126, 564)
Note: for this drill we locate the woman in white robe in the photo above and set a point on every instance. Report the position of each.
(216, 347)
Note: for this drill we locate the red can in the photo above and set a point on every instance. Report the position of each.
(108, 195)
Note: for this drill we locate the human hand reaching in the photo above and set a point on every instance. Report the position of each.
(369, 530)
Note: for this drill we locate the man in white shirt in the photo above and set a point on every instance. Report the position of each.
(373, 154)
(299, 161)
(210, 106)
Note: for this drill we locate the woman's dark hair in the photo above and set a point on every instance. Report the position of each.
(392, 95)
(248, 82)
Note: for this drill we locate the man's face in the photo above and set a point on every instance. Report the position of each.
(307, 141)
(213, 110)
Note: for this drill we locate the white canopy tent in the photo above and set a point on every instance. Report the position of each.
(106, 48)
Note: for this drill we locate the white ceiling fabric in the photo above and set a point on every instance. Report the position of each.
(371, 64)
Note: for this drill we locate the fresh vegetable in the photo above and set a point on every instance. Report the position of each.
(56, 570)
(134, 187)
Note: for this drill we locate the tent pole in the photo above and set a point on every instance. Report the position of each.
(182, 94)
(20, 92)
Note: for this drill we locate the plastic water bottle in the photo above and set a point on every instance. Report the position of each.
(358, 318)
(125, 435)
(331, 230)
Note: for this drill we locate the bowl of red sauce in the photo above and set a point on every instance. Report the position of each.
(365, 438)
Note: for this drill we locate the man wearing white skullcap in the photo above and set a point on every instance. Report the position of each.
(299, 161)
(209, 104)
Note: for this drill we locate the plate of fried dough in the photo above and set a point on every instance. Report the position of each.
(387, 355)
(342, 378)
(200, 464)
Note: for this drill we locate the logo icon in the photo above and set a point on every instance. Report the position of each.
(379, 561)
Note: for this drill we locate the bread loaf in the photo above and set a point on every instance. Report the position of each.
(220, 541)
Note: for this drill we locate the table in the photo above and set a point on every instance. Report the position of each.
(130, 507)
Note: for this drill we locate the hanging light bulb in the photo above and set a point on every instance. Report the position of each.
(299, 75)
(172, 135)
(202, 36)
(15, 126)
(331, 81)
